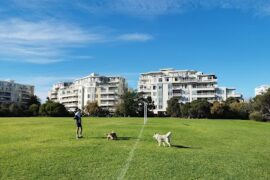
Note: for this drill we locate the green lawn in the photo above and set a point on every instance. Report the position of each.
(46, 148)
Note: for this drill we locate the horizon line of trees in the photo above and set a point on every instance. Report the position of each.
(33, 107)
(258, 108)
(132, 105)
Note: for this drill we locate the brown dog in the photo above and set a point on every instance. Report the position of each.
(111, 136)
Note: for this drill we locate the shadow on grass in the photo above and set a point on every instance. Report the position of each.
(185, 147)
(118, 138)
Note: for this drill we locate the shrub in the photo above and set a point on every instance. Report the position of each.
(257, 116)
(173, 108)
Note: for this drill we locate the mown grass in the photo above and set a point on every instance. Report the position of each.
(46, 148)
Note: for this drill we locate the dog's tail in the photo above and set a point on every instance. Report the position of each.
(168, 134)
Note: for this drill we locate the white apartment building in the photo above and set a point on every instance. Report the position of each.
(11, 92)
(261, 89)
(104, 90)
(188, 85)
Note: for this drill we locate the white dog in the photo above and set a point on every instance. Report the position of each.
(163, 139)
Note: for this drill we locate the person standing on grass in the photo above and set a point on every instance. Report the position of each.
(78, 118)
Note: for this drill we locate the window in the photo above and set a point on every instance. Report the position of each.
(167, 79)
(154, 87)
(160, 80)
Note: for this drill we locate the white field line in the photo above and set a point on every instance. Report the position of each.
(130, 156)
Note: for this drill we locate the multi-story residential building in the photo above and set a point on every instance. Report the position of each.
(11, 92)
(188, 85)
(106, 91)
(261, 89)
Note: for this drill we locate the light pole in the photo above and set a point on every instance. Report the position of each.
(145, 112)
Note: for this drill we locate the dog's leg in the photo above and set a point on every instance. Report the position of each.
(159, 143)
(168, 142)
(164, 144)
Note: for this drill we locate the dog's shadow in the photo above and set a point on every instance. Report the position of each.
(125, 138)
(184, 147)
(181, 147)
(118, 138)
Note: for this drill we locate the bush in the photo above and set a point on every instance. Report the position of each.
(173, 109)
(33, 109)
(200, 109)
(53, 109)
(257, 116)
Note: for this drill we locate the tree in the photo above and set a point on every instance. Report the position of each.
(173, 108)
(4, 110)
(141, 100)
(91, 108)
(261, 104)
(33, 100)
(219, 110)
(257, 116)
(184, 108)
(53, 109)
(34, 109)
(239, 110)
(15, 110)
(231, 100)
(200, 109)
(128, 105)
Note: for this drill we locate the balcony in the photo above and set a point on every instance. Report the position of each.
(205, 88)
(109, 98)
(107, 104)
(109, 92)
(69, 105)
(177, 94)
(53, 96)
(69, 100)
(53, 92)
(69, 95)
(205, 95)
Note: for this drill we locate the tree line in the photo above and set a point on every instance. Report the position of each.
(33, 107)
(132, 105)
(257, 108)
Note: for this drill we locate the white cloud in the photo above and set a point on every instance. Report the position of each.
(46, 42)
(135, 37)
(41, 42)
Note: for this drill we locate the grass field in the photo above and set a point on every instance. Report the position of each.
(46, 148)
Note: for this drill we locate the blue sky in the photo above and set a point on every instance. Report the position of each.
(47, 41)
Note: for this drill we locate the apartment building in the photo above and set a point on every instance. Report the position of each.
(188, 85)
(11, 92)
(261, 89)
(102, 89)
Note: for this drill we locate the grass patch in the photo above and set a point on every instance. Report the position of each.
(46, 148)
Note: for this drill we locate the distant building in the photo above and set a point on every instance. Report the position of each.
(261, 89)
(11, 92)
(188, 85)
(106, 91)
